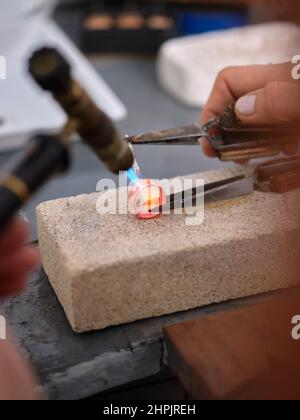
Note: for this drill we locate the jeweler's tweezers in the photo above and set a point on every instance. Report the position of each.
(228, 137)
(229, 188)
(278, 176)
(187, 135)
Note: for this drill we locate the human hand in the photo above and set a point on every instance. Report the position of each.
(17, 380)
(17, 260)
(263, 95)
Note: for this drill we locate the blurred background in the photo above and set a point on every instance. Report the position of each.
(168, 17)
(150, 64)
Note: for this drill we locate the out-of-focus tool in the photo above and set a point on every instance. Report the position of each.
(99, 19)
(279, 176)
(127, 28)
(130, 18)
(47, 155)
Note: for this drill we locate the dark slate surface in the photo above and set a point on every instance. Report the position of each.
(74, 366)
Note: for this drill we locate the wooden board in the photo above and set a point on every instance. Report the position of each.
(245, 353)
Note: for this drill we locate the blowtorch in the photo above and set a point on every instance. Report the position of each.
(48, 155)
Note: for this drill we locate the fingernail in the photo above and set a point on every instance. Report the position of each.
(246, 105)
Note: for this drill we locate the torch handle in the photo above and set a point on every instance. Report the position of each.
(44, 157)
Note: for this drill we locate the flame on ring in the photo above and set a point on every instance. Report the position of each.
(146, 195)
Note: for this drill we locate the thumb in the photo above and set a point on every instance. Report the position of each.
(278, 102)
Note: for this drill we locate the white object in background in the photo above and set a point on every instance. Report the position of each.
(187, 67)
(24, 107)
(20, 21)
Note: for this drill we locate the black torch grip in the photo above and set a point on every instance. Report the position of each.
(44, 157)
(10, 203)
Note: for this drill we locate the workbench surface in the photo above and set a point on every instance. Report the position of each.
(74, 366)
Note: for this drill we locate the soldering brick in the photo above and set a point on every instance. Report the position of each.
(112, 269)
